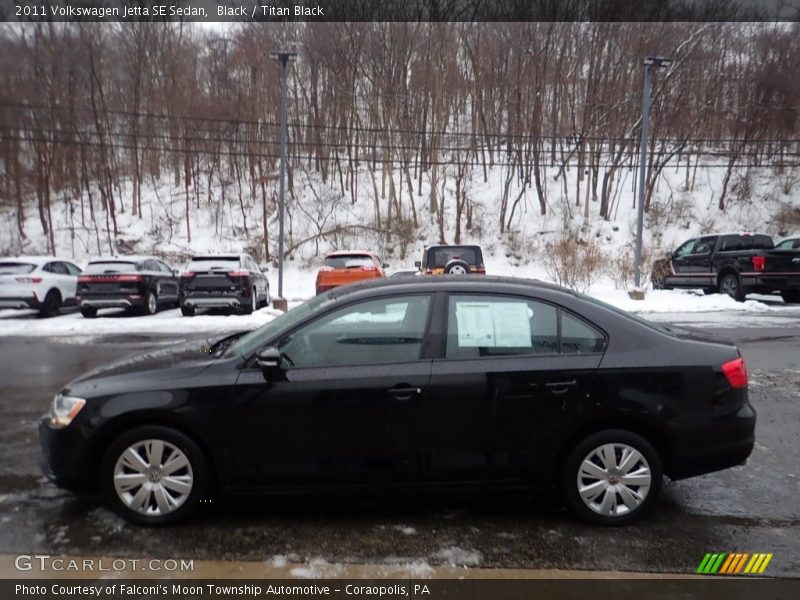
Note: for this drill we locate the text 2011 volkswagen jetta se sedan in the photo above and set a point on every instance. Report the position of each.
(429, 384)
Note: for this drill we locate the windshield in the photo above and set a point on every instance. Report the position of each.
(214, 263)
(624, 313)
(11, 268)
(349, 261)
(258, 338)
(110, 267)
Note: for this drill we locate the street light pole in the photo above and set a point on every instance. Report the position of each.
(649, 63)
(283, 57)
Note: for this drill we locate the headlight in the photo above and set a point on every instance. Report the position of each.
(64, 409)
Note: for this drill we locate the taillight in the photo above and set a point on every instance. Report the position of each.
(29, 279)
(735, 372)
(188, 274)
(238, 273)
(759, 263)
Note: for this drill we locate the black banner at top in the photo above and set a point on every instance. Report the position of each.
(398, 10)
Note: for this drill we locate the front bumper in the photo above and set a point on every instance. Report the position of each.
(65, 459)
(723, 442)
(19, 301)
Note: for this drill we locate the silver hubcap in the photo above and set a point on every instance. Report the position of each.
(614, 479)
(151, 303)
(458, 270)
(729, 286)
(153, 477)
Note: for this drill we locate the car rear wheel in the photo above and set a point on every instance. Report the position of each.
(151, 303)
(51, 304)
(187, 311)
(89, 312)
(253, 306)
(730, 285)
(611, 477)
(154, 476)
(791, 296)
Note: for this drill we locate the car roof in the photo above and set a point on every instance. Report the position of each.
(483, 283)
(350, 253)
(221, 255)
(454, 246)
(34, 260)
(131, 259)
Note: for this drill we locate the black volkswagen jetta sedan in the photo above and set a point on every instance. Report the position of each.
(425, 384)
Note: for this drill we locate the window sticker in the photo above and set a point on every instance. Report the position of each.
(493, 325)
(512, 326)
(475, 324)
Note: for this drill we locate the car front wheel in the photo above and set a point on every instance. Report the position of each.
(611, 477)
(154, 476)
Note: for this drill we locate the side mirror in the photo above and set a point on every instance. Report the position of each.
(385, 266)
(418, 264)
(175, 272)
(269, 360)
(264, 268)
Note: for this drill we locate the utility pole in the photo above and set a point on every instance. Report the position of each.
(649, 63)
(284, 58)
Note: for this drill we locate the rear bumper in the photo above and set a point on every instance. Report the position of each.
(126, 301)
(723, 442)
(772, 282)
(214, 301)
(19, 301)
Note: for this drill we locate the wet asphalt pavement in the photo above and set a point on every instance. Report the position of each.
(753, 508)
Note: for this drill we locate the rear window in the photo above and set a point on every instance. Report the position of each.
(439, 257)
(98, 268)
(349, 261)
(731, 243)
(214, 263)
(15, 268)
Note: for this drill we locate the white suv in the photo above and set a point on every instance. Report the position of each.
(43, 283)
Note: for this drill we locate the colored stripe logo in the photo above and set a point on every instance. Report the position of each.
(734, 563)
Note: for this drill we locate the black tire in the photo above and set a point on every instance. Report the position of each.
(187, 311)
(51, 305)
(731, 285)
(791, 296)
(659, 284)
(584, 450)
(89, 312)
(456, 267)
(252, 305)
(266, 297)
(150, 303)
(197, 475)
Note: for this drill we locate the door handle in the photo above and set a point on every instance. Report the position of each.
(560, 387)
(403, 393)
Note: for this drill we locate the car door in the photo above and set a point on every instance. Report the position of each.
(697, 264)
(258, 277)
(511, 369)
(61, 279)
(72, 286)
(681, 275)
(354, 381)
(169, 280)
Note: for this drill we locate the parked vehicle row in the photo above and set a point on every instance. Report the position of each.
(141, 284)
(735, 264)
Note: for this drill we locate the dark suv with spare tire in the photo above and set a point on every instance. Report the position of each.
(452, 260)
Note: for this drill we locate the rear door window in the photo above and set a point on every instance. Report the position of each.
(349, 261)
(442, 256)
(487, 325)
(214, 263)
(100, 268)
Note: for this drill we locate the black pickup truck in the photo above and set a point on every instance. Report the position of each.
(736, 264)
